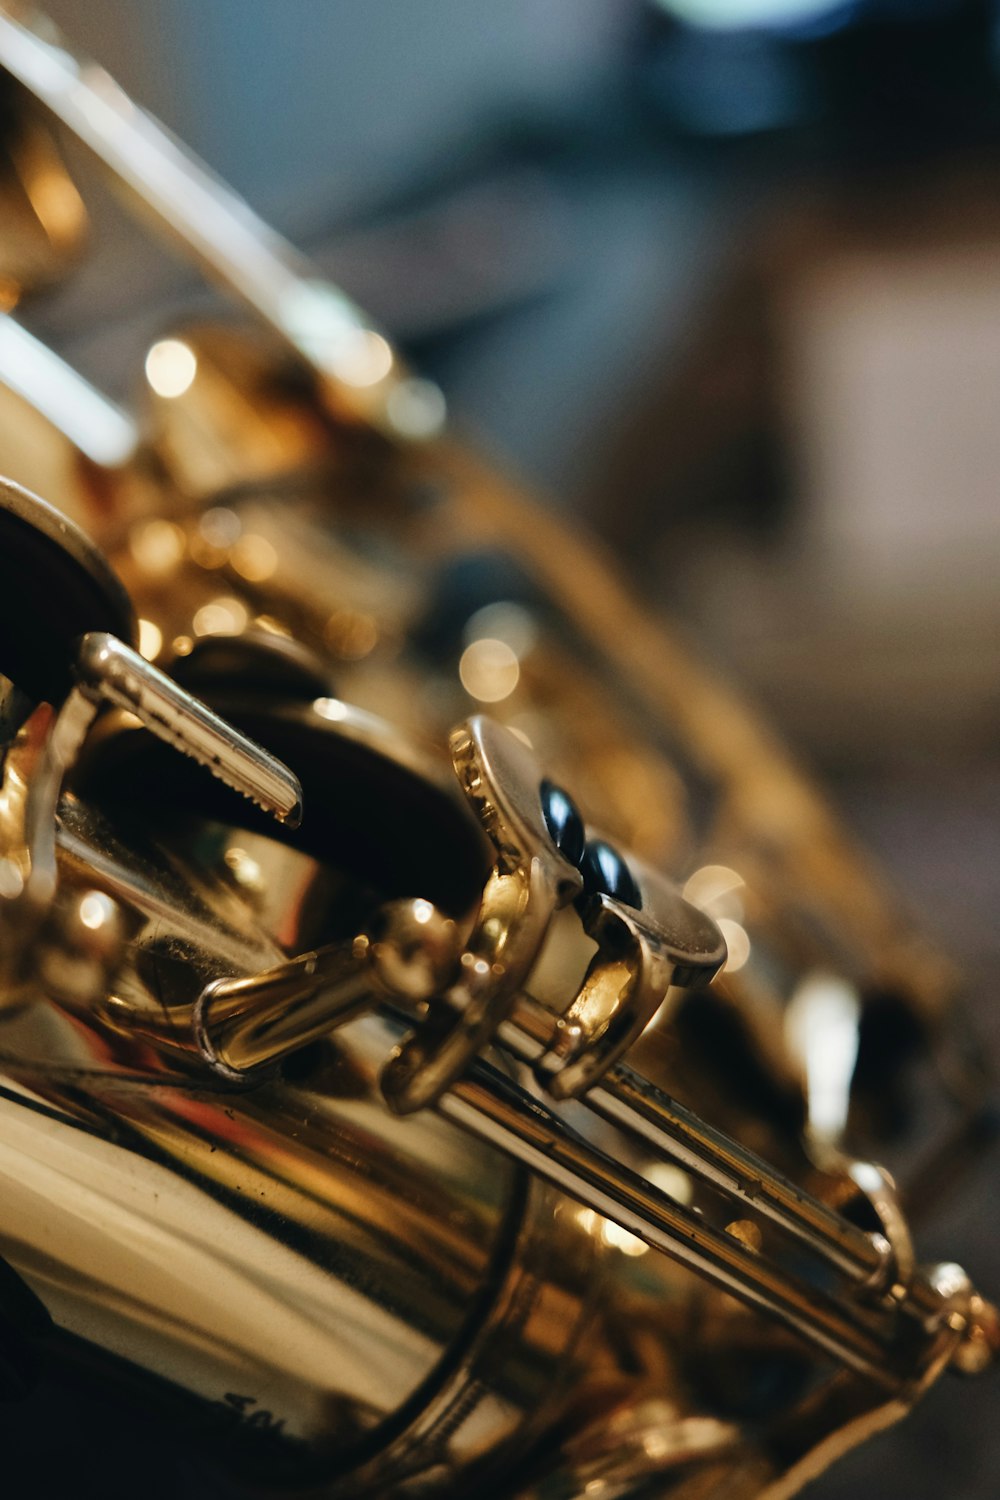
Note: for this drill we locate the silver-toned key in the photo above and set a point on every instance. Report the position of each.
(109, 672)
(79, 646)
(55, 588)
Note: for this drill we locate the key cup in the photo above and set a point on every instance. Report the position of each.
(66, 641)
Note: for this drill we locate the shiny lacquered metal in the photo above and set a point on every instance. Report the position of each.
(72, 677)
(110, 673)
(241, 1025)
(355, 366)
(416, 959)
(328, 1298)
(574, 1258)
(59, 654)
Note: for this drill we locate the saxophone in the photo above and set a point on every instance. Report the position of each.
(435, 1016)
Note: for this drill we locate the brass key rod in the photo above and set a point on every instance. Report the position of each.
(241, 253)
(642, 1110)
(490, 1106)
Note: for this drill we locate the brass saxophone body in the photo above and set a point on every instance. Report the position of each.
(375, 1118)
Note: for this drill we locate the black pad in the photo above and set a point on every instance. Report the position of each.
(366, 813)
(54, 587)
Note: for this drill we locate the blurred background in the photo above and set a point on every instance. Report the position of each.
(721, 278)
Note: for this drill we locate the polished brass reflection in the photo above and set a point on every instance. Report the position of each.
(348, 1110)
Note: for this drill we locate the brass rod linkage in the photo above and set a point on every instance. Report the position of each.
(242, 1025)
(353, 362)
(633, 1103)
(489, 1106)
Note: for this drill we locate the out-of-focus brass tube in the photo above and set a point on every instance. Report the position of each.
(354, 363)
